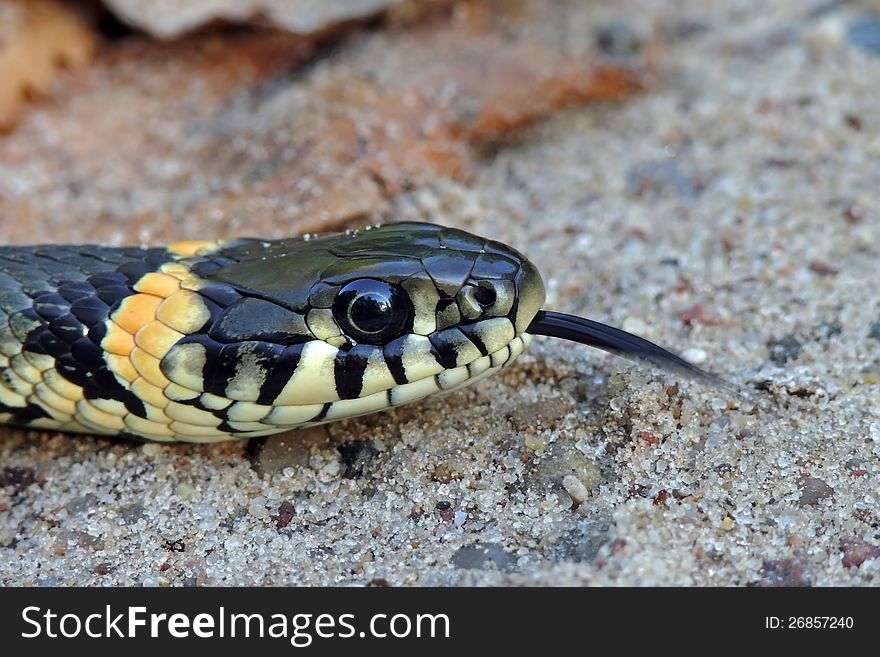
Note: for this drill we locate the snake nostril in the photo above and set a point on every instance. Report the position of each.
(484, 295)
(475, 299)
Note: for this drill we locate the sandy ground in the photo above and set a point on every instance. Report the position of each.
(729, 212)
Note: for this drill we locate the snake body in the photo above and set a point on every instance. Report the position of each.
(205, 341)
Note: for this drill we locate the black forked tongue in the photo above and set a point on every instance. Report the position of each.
(615, 341)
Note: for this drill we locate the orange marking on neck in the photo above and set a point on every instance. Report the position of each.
(188, 248)
(136, 311)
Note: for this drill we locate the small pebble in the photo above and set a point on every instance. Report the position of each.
(574, 487)
(783, 572)
(483, 555)
(635, 325)
(257, 507)
(813, 491)
(184, 491)
(18, 478)
(286, 512)
(535, 444)
(784, 349)
(857, 551)
(695, 355)
(7, 536)
(619, 39)
(152, 449)
(825, 36)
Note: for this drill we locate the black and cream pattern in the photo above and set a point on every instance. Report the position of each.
(205, 341)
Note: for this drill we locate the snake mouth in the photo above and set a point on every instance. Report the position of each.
(615, 341)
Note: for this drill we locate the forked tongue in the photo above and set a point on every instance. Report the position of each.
(620, 343)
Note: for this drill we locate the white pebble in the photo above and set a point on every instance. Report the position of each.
(635, 325)
(575, 488)
(826, 36)
(257, 507)
(695, 356)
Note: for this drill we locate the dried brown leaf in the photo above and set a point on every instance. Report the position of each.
(37, 40)
(229, 134)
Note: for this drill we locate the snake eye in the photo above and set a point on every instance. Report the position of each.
(370, 311)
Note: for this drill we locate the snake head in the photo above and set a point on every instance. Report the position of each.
(425, 279)
(319, 328)
(374, 285)
(308, 330)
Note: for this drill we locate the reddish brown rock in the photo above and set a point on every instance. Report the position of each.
(857, 551)
(783, 572)
(813, 491)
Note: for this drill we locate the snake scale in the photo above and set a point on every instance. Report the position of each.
(204, 341)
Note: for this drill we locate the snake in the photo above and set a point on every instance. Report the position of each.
(204, 341)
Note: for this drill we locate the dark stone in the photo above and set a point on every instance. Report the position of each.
(18, 478)
(174, 545)
(286, 512)
(813, 491)
(83, 504)
(855, 464)
(355, 455)
(784, 349)
(582, 543)
(619, 39)
(783, 572)
(827, 330)
(103, 568)
(82, 540)
(484, 555)
(132, 513)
